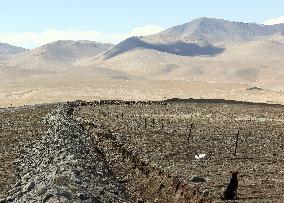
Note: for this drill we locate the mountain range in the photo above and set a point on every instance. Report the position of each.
(205, 49)
(7, 50)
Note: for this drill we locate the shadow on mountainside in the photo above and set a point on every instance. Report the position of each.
(179, 48)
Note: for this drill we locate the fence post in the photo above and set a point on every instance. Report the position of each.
(236, 144)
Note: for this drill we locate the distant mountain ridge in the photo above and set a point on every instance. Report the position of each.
(218, 30)
(69, 50)
(205, 49)
(57, 56)
(7, 49)
(196, 37)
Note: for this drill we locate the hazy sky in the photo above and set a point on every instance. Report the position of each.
(32, 23)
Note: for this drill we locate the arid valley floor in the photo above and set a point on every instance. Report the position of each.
(62, 88)
(141, 151)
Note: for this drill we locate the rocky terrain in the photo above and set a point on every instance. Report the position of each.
(62, 166)
(114, 151)
(18, 126)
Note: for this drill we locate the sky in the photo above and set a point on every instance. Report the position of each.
(31, 23)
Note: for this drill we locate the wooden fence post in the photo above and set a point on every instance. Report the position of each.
(236, 144)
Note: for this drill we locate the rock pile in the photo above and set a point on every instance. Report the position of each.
(63, 167)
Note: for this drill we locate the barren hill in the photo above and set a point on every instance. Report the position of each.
(217, 30)
(206, 50)
(55, 57)
(7, 50)
(224, 58)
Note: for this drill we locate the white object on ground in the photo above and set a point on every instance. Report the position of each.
(200, 156)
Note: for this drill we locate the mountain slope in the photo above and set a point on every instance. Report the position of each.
(70, 51)
(178, 48)
(7, 50)
(217, 30)
(197, 38)
(54, 57)
(205, 49)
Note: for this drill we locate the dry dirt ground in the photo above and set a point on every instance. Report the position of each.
(180, 131)
(18, 126)
(62, 88)
(150, 148)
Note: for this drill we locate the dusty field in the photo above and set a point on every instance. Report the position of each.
(166, 144)
(141, 152)
(87, 87)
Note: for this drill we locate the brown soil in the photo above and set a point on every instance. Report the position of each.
(168, 148)
(150, 148)
(17, 126)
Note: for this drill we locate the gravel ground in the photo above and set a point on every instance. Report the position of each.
(112, 151)
(174, 134)
(18, 127)
(63, 166)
